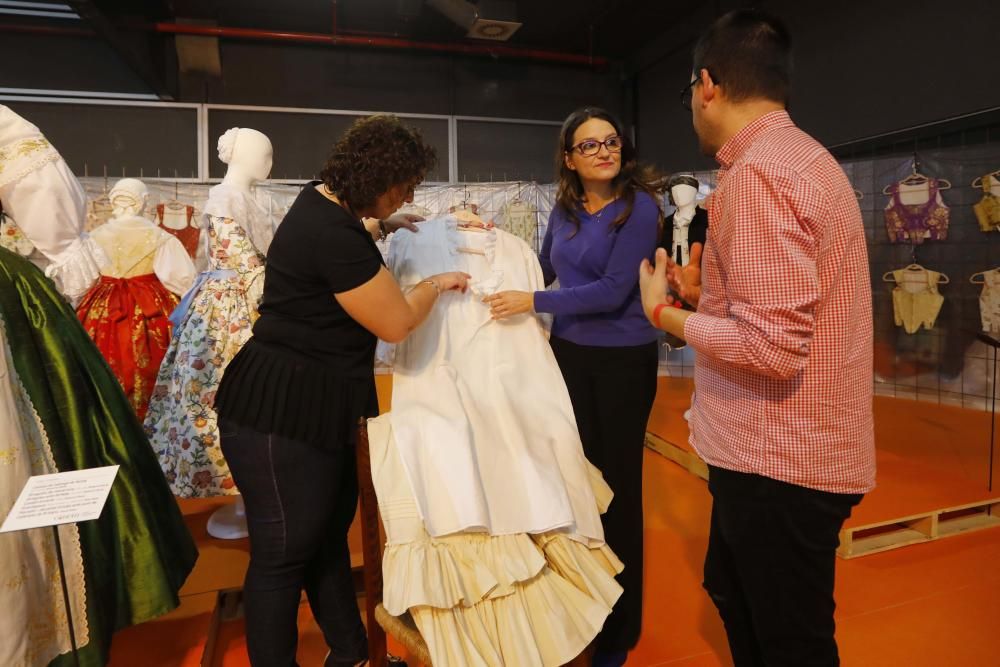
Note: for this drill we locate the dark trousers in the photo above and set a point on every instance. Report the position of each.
(770, 568)
(612, 391)
(300, 501)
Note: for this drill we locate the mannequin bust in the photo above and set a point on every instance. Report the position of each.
(136, 246)
(128, 198)
(249, 156)
(688, 225)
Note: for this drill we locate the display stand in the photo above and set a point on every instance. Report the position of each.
(65, 590)
(57, 499)
(229, 522)
(994, 343)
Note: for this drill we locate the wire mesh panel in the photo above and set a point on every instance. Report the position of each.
(944, 363)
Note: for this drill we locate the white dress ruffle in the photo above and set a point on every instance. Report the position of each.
(483, 600)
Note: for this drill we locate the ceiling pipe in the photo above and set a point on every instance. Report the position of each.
(383, 43)
(341, 39)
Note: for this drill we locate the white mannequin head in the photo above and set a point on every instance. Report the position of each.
(128, 198)
(249, 156)
(684, 196)
(683, 191)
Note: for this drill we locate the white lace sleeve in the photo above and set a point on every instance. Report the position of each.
(48, 204)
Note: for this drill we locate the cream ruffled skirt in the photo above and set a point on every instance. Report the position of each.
(481, 600)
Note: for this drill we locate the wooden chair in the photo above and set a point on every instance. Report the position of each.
(380, 622)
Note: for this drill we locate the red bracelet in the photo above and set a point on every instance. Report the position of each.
(656, 313)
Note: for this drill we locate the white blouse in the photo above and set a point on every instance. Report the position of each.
(135, 247)
(29, 165)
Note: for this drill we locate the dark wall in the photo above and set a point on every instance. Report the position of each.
(64, 63)
(320, 77)
(281, 74)
(861, 69)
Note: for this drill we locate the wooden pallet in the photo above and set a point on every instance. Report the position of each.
(874, 538)
(682, 457)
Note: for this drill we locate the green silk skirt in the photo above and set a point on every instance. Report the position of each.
(138, 553)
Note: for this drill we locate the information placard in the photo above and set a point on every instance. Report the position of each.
(64, 497)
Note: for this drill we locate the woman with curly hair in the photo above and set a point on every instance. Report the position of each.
(605, 222)
(290, 399)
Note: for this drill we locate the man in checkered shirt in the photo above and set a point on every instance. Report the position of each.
(783, 333)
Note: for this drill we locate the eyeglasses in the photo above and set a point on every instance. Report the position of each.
(590, 147)
(687, 93)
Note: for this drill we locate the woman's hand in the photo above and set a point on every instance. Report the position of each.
(401, 221)
(507, 304)
(456, 280)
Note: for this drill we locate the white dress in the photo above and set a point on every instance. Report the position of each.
(492, 512)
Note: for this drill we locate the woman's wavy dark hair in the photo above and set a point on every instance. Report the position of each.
(632, 177)
(375, 154)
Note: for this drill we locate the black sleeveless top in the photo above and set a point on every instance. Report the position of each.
(308, 371)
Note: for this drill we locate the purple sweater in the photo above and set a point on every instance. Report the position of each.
(598, 300)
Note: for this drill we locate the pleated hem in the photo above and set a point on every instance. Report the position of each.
(279, 391)
(485, 601)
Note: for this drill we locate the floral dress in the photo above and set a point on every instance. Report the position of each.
(181, 421)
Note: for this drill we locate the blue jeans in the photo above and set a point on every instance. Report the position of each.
(300, 501)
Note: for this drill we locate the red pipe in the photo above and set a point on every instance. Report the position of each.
(380, 42)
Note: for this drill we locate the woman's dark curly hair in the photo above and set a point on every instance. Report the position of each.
(375, 154)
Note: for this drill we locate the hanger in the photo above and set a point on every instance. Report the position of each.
(101, 202)
(915, 268)
(469, 221)
(978, 182)
(859, 194)
(917, 178)
(175, 203)
(982, 275)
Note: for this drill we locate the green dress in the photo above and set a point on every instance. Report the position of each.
(136, 556)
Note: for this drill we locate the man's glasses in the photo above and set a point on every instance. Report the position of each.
(688, 92)
(592, 147)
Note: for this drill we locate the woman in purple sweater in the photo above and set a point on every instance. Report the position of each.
(605, 222)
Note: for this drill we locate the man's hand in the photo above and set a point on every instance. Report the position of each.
(685, 281)
(653, 283)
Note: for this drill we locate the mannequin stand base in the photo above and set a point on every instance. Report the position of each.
(229, 522)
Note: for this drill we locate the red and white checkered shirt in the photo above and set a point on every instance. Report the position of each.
(783, 376)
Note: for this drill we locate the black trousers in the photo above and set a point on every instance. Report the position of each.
(300, 501)
(612, 391)
(770, 568)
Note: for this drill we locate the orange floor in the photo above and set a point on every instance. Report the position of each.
(934, 604)
(929, 457)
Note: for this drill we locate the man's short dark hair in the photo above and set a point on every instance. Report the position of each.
(749, 53)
